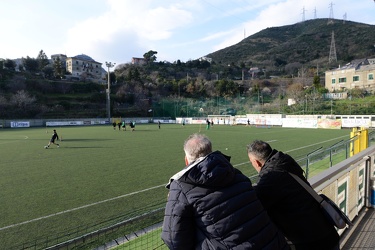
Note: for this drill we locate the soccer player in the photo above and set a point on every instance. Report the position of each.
(132, 126)
(53, 138)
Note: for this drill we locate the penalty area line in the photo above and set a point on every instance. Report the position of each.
(78, 208)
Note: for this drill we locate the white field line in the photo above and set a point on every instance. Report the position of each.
(129, 194)
(77, 208)
(25, 138)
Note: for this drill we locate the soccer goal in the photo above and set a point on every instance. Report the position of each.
(221, 119)
(262, 123)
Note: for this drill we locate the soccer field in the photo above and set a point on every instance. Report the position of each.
(100, 176)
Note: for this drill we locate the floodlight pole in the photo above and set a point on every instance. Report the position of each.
(109, 65)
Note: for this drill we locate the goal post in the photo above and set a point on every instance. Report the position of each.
(261, 123)
(220, 119)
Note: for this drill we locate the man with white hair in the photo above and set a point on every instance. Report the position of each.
(212, 205)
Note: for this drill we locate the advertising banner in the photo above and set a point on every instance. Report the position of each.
(299, 123)
(64, 123)
(355, 122)
(19, 124)
(329, 123)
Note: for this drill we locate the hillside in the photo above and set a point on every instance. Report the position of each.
(183, 88)
(306, 43)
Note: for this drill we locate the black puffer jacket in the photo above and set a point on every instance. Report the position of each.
(212, 205)
(291, 207)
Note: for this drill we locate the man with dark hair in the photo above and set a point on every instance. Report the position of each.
(212, 205)
(294, 211)
(53, 138)
(132, 125)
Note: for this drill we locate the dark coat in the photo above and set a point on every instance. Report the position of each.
(212, 205)
(294, 211)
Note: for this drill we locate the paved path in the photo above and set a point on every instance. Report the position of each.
(363, 234)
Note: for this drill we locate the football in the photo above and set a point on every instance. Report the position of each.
(45, 147)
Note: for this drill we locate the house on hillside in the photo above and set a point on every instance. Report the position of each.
(84, 67)
(205, 58)
(254, 72)
(138, 61)
(356, 74)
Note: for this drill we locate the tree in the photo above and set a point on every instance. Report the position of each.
(226, 88)
(48, 71)
(150, 56)
(22, 100)
(10, 64)
(58, 68)
(42, 60)
(296, 92)
(30, 64)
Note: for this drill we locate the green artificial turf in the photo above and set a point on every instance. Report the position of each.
(100, 176)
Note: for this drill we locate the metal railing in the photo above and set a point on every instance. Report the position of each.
(350, 183)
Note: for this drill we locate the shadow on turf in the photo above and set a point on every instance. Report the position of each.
(87, 139)
(70, 147)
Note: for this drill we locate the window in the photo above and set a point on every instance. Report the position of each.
(355, 78)
(342, 79)
(333, 81)
(371, 76)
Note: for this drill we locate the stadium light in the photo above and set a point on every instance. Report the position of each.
(109, 65)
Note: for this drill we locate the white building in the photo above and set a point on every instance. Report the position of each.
(84, 67)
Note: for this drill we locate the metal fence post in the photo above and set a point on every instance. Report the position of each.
(308, 160)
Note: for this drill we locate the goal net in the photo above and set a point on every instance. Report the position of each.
(220, 119)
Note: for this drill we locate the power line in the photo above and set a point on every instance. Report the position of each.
(332, 51)
(330, 20)
(315, 13)
(303, 13)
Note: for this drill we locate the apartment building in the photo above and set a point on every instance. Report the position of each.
(83, 66)
(356, 74)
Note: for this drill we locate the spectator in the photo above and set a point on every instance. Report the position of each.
(212, 205)
(294, 211)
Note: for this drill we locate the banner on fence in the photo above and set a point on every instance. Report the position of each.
(64, 123)
(299, 123)
(356, 122)
(19, 124)
(329, 123)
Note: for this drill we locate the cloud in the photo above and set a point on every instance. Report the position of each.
(116, 30)
(126, 29)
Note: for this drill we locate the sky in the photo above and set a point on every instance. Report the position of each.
(117, 30)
